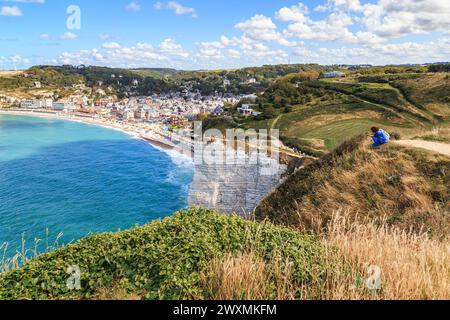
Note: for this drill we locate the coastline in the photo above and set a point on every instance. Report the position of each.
(150, 136)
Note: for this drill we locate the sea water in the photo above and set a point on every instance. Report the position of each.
(77, 179)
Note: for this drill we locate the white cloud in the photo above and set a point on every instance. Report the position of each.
(232, 53)
(133, 6)
(368, 38)
(392, 18)
(68, 36)
(178, 8)
(44, 36)
(350, 31)
(169, 46)
(295, 13)
(262, 28)
(11, 11)
(334, 27)
(14, 62)
(111, 45)
(345, 5)
(257, 22)
(381, 54)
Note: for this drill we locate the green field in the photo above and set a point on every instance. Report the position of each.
(337, 132)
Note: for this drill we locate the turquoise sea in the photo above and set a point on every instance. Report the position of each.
(78, 179)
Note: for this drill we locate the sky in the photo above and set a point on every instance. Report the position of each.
(216, 34)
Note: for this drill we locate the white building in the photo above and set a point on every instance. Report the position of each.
(31, 104)
(47, 103)
(250, 97)
(246, 109)
(334, 74)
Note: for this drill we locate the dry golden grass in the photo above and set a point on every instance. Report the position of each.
(247, 277)
(411, 267)
(116, 293)
(377, 184)
(26, 253)
(9, 73)
(439, 134)
(236, 277)
(409, 187)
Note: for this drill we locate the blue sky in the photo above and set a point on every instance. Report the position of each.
(197, 34)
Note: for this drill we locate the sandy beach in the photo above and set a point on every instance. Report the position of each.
(147, 134)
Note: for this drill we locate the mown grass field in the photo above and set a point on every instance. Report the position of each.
(337, 132)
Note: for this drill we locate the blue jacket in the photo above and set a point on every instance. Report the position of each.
(380, 138)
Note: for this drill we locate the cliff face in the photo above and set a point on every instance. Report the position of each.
(236, 186)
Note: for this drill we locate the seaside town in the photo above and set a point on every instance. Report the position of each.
(155, 117)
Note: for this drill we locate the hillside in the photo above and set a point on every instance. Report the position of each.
(168, 259)
(149, 80)
(409, 187)
(317, 115)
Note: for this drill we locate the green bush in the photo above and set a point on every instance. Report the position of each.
(164, 258)
(395, 136)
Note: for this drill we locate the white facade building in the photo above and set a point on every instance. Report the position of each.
(334, 74)
(31, 104)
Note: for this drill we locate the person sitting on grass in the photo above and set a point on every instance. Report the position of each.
(379, 137)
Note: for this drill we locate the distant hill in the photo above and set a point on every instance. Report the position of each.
(156, 72)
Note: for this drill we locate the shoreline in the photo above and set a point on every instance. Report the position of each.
(158, 142)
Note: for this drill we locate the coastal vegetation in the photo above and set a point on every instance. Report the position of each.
(167, 259)
(150, 81)
(318, 234)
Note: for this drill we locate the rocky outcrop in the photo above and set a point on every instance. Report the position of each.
(234, 186)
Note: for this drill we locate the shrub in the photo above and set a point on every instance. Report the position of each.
(395, 136)
(164, 258)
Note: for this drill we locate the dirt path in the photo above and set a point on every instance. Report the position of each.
(439, 147)
(275, 122)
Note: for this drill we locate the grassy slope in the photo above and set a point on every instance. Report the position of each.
(429, 91)
(408, 186)
(162, 260)
(404, 103)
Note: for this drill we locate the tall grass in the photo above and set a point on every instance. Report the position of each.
(26, 253)
(437, 134)
(246, 276)
(412, 266)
